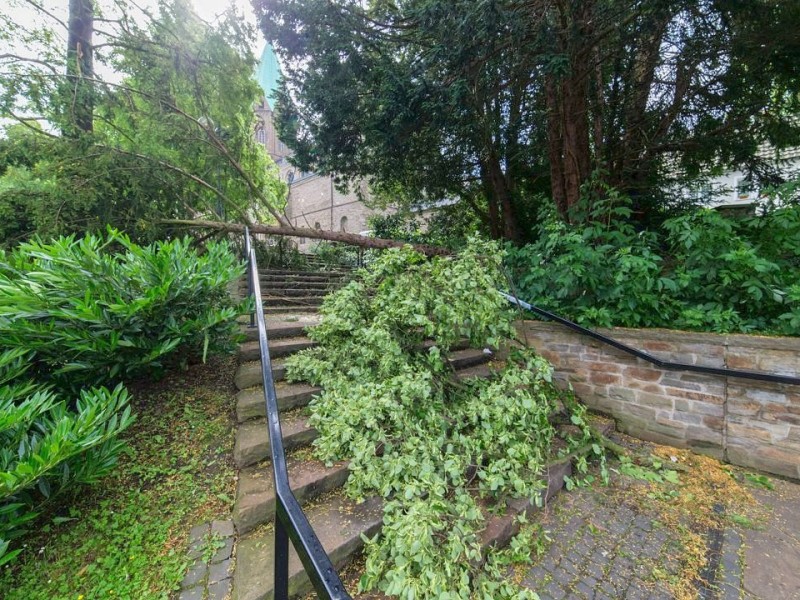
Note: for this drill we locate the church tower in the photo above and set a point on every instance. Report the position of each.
(267, 75)
(313, 199)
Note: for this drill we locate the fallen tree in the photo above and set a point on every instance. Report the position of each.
(306, 232)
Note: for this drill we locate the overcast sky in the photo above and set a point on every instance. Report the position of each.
(20, 11)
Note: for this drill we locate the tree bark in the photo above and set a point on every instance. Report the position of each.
(555, 145)
(318, 234)
(80, 66)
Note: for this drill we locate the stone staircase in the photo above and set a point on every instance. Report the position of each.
(286, 291)
(338, 522)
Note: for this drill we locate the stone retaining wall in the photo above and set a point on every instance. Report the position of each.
(749, 423)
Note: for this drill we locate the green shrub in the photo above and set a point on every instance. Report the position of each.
(601, 272)
(704, 270)
(736, 274)
(96, 310)
(48, 444)
(76, 314)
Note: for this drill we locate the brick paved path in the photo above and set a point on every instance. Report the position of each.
(602, 551)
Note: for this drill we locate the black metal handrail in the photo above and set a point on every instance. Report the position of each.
(664, 364)
(290, 520)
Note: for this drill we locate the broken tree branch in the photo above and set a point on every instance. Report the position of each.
(306, 232)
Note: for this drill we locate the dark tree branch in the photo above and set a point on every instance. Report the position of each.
(307, 232)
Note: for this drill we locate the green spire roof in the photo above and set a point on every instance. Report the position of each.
(268, 73)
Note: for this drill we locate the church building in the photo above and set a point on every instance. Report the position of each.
(313, 199)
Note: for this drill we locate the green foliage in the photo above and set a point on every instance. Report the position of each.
(434, 447)
(494, 103)
(127, 538)
(75, 314)
(446, 226)
(278, 252)
(601, 271)
(172, 135)
(333, 255)
(48, 444)
(705, 271)
(94, 310)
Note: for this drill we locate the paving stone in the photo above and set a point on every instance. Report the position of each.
(219, 571)
(222, 528)
(610, 547)
(198, 532)
(223, 553)
(555, 591)
(195, 575)
(220, 590)
(195, 593)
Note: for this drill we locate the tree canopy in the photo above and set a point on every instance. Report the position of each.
(138, 117)
(507, 102)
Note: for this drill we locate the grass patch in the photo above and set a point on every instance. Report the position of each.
(127, 536)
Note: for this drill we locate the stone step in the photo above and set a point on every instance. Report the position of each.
(500, 528)
(294, 273)
(469, 357)
(289, 293)
(250, 403)
(314, 284)
(279, 327)
(290, 310)
(299, 301)
(251, 444)
(278, 348)
(255, 494)
(339, 524)
(249, 374)
(483, 371)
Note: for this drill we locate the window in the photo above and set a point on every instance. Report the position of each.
(261, 134)
(343, 224)
(317, 225)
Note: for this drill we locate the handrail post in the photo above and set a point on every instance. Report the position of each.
(281, 563)
(250, 281)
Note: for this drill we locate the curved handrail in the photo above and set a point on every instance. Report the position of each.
(664, 364)
(290, 520)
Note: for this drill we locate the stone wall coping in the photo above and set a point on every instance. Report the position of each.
(674, 335)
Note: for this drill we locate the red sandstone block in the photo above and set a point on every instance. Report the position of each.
(660, 346)
(604, 378)
(605, 367)
(741, 361)
(696, 396)
(643, 374)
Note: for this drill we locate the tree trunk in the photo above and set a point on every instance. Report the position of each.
(318, 234)
(555, 145)
(577, 156)
(495, 230)
(80, 67)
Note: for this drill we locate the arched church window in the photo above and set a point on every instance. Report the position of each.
(261, 134)
(343, 224)
(317, 225)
